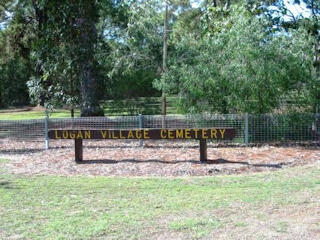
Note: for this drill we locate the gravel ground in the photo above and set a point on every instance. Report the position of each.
(156, 158)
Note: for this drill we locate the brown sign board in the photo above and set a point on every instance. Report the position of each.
(181, 133)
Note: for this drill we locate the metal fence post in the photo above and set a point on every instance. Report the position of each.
(140, 126)
(46, 124)
(246, 129)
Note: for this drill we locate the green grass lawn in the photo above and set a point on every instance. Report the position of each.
(53, 207)
(24, 115)
(146, 106)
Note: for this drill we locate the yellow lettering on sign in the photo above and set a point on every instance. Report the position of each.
(138, 134)
(222, 131)
(104, 134)
(56, 135)
(179, 133)
(87, 134)
(187, 133)
(79, 135)
(65, 134)
(196, 132)
(146, 134)
(163, 133)
(72, 135)
(214, 133)
(130, 134)
(204, 134)
(121, 136)
(114, 136)
(170, 134)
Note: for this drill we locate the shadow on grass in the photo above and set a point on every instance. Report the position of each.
(144, 147)
(196, 146)
(214, 145)
(224, 161)
(36, 150)
(208, 162)
(7, 185)
(21, 151)
(29, 150)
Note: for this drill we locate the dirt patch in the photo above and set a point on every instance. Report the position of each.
(156, 158)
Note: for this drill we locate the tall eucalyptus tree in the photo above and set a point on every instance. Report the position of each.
(61, 38)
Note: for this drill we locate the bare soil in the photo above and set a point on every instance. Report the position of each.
(155, 158)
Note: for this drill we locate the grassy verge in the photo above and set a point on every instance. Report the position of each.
(146, 106)
(52, 207)
(24, 115)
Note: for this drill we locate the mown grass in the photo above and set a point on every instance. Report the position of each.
(56, 207)
(146, 106)
(24, 115)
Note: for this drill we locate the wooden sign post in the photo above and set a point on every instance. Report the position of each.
(78, 150)
(203, 150)
(202, 134)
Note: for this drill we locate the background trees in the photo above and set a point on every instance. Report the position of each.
(244, 66)
(223, 56)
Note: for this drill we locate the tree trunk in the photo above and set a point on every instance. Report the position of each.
(88, 16)
(316, 57)
(164, 60)
(89, 102)
(41, 17)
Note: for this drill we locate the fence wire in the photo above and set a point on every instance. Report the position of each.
(284, 127)
(22, 129)
(266, 128)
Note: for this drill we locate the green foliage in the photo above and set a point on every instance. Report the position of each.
(14, 70)
(240, 66)
(60, 39)
(224, 56)
(136, 53)
(132, 85)
(142, 105)
(13, 89)
(279, 128)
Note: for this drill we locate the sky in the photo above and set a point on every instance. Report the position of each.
(297, 9)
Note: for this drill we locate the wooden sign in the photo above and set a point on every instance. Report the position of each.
(182, 133)
(201, 134)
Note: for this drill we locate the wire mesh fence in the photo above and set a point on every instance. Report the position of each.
(250, 129)
(22, 129)
(294, 127)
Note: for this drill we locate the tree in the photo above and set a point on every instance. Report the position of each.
(218, 57)
(14, 72)
(239, 65)
(62, 41)
(85, 22)
(138, 47)
(307, 19)
(15, 63)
